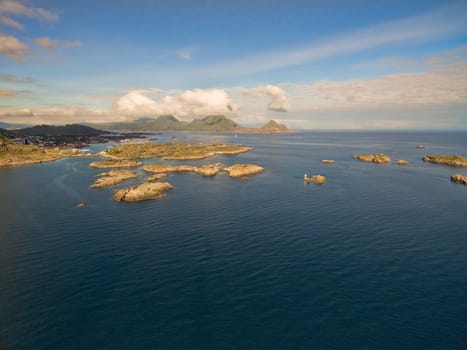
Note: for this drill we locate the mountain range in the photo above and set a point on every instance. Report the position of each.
(212, 123)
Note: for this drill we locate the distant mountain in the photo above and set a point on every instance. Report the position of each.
(62, 130)
(274, 127)
(213, 123)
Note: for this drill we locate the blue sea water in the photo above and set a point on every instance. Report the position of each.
(374, 259)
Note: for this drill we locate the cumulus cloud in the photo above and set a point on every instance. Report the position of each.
(189, 104)
(279, 102)
(13, 48)
(51, 44)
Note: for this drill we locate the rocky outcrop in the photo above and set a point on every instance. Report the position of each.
(236, 170)
(402, 162)
(209, 169)
(113, 178)
(421, 147)
(241, 170)
(458, 178)
(173, 150)
(372, 158)
(142, 192)
(453, 160)
(317, 179)
(328, 161)
(157, 176)
(81, 205)
(115, 163)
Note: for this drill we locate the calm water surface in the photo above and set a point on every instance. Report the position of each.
(374, 259)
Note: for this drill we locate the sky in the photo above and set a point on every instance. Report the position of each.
(308, 64)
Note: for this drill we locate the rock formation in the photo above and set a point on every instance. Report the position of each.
(142, 192)
(317, 179)
(402, 162)
(240, 170)
(453, 160)
(115, 163)
(113, 178)
(458, 178)
(373, 158)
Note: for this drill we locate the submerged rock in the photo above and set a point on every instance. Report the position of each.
(328, 161)
(142, 192)
(421, 147)
(402, 162)
(81, 205)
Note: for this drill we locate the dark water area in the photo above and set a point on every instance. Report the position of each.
(374, 259)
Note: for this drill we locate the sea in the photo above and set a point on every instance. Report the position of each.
(376, 258)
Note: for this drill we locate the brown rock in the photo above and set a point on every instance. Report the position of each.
(328, 161)
(373, 158)
(402, 162)
(113, 178)
(241, 170)
(142, 192)
(157, 176)
(458, 178)
(317, 179)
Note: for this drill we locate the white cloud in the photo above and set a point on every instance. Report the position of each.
(279, 102)
(189, 104)
(12, 48)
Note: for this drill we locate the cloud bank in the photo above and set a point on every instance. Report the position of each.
(189, 104)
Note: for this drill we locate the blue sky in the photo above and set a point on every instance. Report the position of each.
(309, 64)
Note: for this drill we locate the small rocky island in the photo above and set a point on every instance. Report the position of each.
(402, 162)
(317, 179)
(115, 163)
(378, 158)
(454, 160)
(113, 177)
(460, 179)
(328, 161)
(142, 192)
(236, 170)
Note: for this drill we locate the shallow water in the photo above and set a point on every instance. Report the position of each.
(374, 259)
